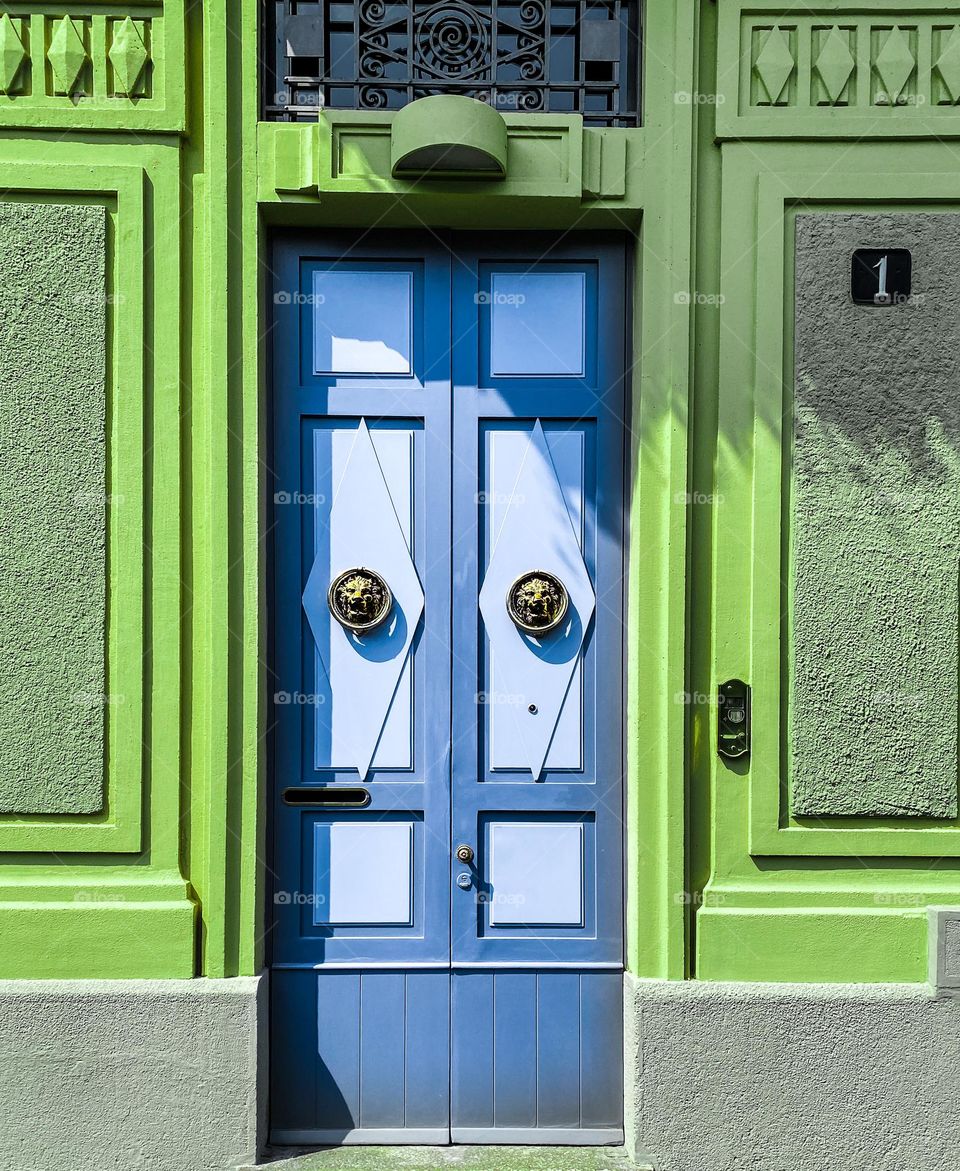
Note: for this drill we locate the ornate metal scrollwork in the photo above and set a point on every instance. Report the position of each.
(452, 40)
(537, 601)
(359, 599)
(518, 55)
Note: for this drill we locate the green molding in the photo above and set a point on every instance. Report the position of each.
(96, 66)
(569, 175)
(120, 189)
(226, 475)
(754, 857)
(700, 680)
(558, 175)
(124, 68)
(816, 945)
(834, 73)
(772, 830)
(82, 939)
(77, 896)
(448, 135)
(658, 918)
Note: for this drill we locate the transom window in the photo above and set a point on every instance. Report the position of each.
(561, 56)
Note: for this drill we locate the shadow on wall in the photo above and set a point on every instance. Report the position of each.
(872, 542)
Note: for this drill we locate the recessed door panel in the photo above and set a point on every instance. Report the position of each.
(535, 874)
(447, 623)
(364, 873)
(360, 1056)
(537, 1057)
(534, 502)
(363, 516)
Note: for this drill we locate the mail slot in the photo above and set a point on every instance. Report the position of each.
(326, 797)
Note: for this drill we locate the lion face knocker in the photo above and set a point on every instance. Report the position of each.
(537, 601)
(359, 599)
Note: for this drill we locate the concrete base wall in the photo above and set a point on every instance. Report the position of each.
(792, 1077)
(130, 1075)
(163, 1075)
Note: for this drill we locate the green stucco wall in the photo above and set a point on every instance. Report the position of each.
(876, 541)
(53, 366)
(151, 807)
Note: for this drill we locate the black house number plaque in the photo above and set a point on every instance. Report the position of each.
(881, 276)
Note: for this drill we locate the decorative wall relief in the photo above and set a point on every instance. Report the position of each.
(815, 64)
(13, 53)
(782, 72)
(91, 68)
(75, 57)
(128, 56)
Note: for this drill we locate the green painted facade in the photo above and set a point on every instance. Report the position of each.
(754, 114)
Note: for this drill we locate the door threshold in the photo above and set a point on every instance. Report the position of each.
(522, 1136)
(363, 1136)
(509, 1136)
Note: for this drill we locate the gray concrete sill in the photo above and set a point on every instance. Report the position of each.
(479, 1158)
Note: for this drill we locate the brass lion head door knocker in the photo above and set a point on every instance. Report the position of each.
(359, 599)
(537, 601)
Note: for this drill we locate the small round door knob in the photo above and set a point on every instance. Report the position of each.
(359, 599)
(465, 853)
(537, 601)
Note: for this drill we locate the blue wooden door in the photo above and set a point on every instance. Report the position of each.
(446, 927)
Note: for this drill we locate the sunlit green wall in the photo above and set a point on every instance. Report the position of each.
(753, 115)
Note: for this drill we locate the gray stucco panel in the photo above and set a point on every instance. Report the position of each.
(52, 507)
(130, 1075)
(792, 1077)
(875, 525)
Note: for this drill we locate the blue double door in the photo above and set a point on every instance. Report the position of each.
(447, 617)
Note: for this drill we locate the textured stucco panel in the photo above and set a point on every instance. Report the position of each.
(875, 525)
(130, 1075)
(793, 1077)
(52, 507)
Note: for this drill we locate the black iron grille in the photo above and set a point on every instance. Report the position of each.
(562, 56)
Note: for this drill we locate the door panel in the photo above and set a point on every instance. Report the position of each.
(368, 478)
(360, 1056)
(449, 454)
(533, 487)
(537, 1057)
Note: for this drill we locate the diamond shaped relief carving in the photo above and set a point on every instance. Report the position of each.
(128, 55)
(894, 64)
(67, 56)
(947, 64)
(774, 65)
(363, 668)
(834, 63)
(536, 533)
(12, 55)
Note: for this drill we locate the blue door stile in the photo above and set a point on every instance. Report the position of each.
(446, 923)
